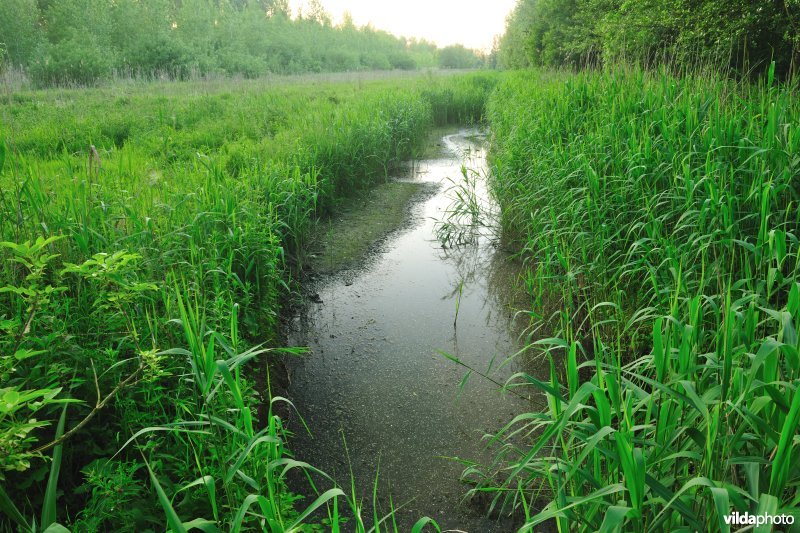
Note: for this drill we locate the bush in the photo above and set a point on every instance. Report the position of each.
(341, 60)
(375, 61)
(158, 53)
(457, 56)
(236, 62)
(72, 61)
(402, 61)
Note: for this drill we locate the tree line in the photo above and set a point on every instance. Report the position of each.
(82, 41)
(744, 35)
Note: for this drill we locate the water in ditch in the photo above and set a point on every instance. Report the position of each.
(375, 379)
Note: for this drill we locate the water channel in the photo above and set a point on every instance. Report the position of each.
(375, 377)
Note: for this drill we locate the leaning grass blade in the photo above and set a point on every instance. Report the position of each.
(173, 520)
(420, 524)
(596, 495)
(11, 511)
(322, 499)
(781, 465)
(208, 483)
(50, 494)
(614, 519)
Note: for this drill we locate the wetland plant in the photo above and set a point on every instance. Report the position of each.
(662, 212)
(145, 291)
(471, 214)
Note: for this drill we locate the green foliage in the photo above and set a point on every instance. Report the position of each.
(150, 236)
(741, 35)
(78, 59)
(81, 42)
(33, 296)
(456, 56)
(19, 32)
(659, 218)
(116, 496)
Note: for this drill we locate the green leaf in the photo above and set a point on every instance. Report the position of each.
(323, 498)
(614, 519)
(56, 528)
(237, 520)
(420, 524)
(173, 520)
(208, 483)
(659, 489)
(767, 504)
(51, 492)
(10, 510)
(255, 441)
(549, 512)
(722, 505)
(781, 464)
(25, 353)
(694, 482)
(207, 526)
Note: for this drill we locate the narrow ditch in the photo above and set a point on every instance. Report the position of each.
(380, 399)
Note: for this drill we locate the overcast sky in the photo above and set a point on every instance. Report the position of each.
(444, 22)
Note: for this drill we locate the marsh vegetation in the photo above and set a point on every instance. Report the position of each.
(150, 238)
(589, 323)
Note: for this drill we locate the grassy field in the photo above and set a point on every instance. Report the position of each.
(149, 237)
(151, 234)
(658, 215)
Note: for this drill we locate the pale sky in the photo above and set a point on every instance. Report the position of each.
(444, 22)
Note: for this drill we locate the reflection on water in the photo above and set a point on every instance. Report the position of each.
(375, 376)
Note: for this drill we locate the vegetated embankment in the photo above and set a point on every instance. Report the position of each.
(661, 213)
(149, 236)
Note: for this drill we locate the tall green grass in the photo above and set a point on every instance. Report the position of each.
(149, 237)
(659, 220)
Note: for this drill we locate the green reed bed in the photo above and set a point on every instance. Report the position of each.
(141, 276)
(661, 214)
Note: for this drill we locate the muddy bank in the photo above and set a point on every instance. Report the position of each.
(343, 241)
(375, 387)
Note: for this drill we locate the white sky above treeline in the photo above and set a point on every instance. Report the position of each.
(473, 24)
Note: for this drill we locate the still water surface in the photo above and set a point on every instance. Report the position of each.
(374, 375)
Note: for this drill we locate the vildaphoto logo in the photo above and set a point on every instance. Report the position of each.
(744, 519)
